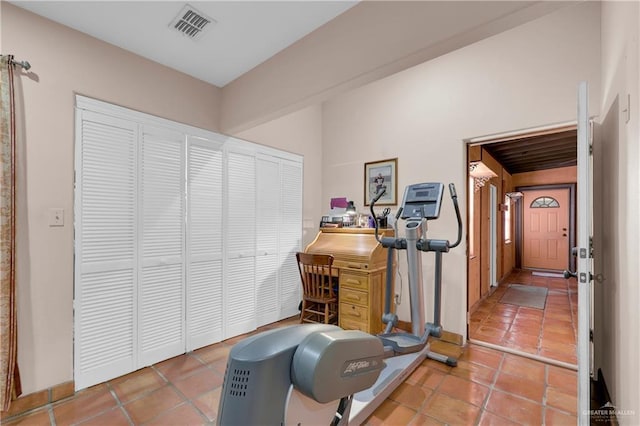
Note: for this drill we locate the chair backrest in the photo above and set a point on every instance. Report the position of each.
(316, 274)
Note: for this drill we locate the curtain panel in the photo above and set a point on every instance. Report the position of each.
(9, 375)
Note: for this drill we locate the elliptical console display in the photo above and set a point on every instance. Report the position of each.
(422, 200)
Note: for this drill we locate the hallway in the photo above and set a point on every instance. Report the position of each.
(548, 332)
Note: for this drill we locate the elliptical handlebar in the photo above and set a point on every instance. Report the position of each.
(454, 198)
(373, 214)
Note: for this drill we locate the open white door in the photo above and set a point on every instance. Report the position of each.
(584, 253)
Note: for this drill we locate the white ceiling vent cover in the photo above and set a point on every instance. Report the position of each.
(191, 22)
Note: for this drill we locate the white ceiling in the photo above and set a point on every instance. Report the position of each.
(246, 32)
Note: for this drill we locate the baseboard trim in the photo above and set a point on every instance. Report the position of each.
(38, 399)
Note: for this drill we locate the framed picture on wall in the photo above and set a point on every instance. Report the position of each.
(378, 176)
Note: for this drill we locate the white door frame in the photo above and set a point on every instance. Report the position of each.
(493, 237)
(584, 254)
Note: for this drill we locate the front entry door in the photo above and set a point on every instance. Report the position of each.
(546, 229)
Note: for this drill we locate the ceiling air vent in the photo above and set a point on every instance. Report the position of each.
(191, 22)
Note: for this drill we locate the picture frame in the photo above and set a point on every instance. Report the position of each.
(378, 174)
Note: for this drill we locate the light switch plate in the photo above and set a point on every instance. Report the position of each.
(56, 217)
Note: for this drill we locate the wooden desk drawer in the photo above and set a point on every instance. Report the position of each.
(350, 279)
(354, 312)
(348, 295)
(350, 324)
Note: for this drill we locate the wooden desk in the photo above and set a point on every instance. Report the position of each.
(361, 262)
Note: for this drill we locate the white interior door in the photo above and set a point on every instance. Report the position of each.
(584, 259)
(239, 291)
(268, 211)
(105, 249)
(204, 243)
(290, 237)
(161, 288)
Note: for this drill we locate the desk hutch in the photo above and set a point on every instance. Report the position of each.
(361, 268)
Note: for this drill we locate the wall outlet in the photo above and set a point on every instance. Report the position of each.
(56, 217)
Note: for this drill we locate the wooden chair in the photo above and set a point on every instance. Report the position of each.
(319, 300)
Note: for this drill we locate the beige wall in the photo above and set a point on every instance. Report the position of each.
(617, 205)
(299, 132)
(522, 78)
(372, 40)
(66, 62)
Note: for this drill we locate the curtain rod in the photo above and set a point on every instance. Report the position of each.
(24, 64)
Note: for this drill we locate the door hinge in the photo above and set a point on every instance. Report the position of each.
(591, 335)
(591, 247)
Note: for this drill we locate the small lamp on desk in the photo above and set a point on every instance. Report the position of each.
(350, 214)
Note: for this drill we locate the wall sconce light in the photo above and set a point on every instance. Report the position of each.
(514, 195)
(480, 174)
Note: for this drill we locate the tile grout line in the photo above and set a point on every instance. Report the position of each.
(484, 407)
(119, 403)
(424, 403)
(543, 402)
(186, 399)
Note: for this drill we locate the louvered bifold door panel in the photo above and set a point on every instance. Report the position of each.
(105, 245)
(239, 293)
(204, 243)
(161, 287)
(290, 236)
(267, 225)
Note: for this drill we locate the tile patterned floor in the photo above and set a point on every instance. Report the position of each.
(487, 388)
(550, 333)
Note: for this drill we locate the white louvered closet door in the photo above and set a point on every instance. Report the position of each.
(105, 238)
(290, 237)
(239, 296)
(268, 196)
(204, 243)
(161, 287)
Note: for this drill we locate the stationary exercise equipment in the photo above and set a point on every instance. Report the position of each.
(298, 375)
(321, 374)
(405, 351)
(421, 203)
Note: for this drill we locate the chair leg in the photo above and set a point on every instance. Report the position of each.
(304, 306)
(326, 313)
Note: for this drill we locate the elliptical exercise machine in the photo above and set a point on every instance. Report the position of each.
(405, 351)
(321, 374)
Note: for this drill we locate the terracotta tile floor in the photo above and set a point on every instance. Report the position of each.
(550, 333)
(488, 387)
